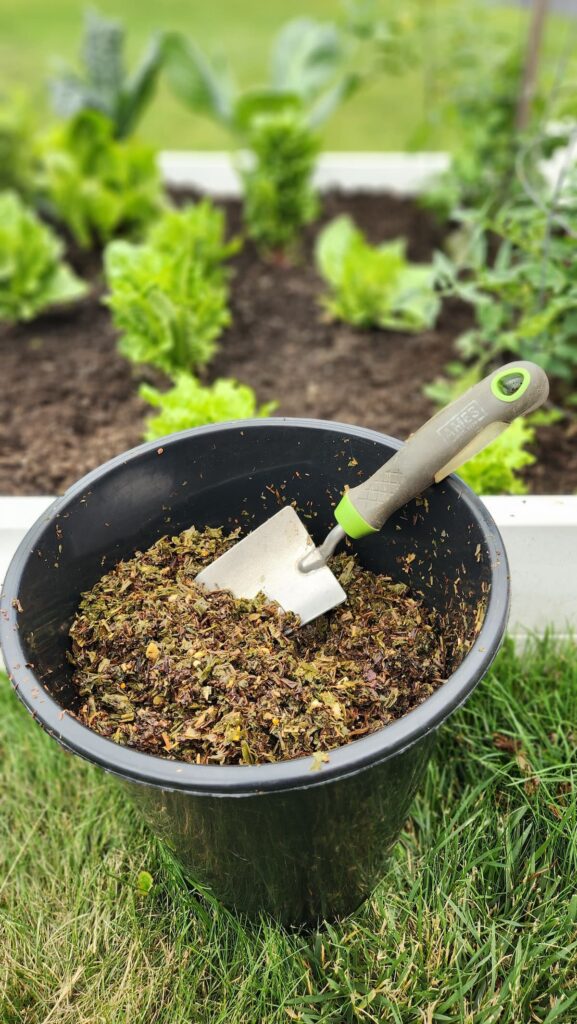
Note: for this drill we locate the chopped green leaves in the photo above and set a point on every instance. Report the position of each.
(144, 882)
(209, 679)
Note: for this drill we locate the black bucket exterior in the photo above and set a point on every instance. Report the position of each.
(298, 843)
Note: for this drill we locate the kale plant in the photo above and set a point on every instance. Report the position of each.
(169, 297)
(96, 186)
(278, 123)
(314, 67)
(188, 403)
(279, 199)
(32, 274)
(104, 84)
(374, 286)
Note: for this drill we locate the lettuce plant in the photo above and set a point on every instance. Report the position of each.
(518, 275)
(188, 403)
(104, 84)
(95, 185)
(32, 274)
(374, 286)
(495, 469)
(169, 296)
(197, 233)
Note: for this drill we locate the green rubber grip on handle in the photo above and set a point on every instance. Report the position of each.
(444, 443)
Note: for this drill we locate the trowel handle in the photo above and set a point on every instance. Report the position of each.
(444, 443)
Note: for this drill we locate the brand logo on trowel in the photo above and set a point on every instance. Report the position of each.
(472, 414)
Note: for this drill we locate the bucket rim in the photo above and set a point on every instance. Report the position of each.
(246, 780)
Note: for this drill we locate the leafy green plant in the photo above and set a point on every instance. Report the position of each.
(279, 197)
(482, 110)
(197, 234)
(495, 470)
(445, 389)
(477, 88)
(32, 274)
(374, 286)
(104, 84)
(17, 128)
(166, 318)
(169, 296)
(307, 74)
(525, 295)
(191, 404)
(310, 76)
(95, 185)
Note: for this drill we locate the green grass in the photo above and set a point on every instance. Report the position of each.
(475, 921)
(33, 33)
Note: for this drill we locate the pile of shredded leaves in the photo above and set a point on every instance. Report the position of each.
(167, 668)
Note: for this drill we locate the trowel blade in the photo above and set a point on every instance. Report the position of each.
(267, 561)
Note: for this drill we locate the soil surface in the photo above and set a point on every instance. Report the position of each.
(68, 401)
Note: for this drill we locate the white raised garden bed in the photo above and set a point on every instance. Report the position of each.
(540, 533)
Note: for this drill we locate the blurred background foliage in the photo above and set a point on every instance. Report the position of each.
(404, 109)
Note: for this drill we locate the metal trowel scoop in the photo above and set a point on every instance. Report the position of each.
(280, 559)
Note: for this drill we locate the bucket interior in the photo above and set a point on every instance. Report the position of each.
(239, 476)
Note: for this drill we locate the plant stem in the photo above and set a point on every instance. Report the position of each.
(530, 70)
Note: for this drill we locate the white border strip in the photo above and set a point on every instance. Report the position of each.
(404, 174)
(540, 535)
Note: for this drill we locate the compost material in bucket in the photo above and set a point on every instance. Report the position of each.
(172, 670)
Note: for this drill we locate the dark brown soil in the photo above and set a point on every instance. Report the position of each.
(68, 400)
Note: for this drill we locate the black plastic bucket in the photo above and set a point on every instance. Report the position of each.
(301, 844)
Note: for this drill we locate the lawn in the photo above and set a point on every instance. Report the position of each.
(475, 922)
(385, 115)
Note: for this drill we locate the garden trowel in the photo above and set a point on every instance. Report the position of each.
(280, 558)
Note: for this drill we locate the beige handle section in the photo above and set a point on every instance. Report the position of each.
(446, 441)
